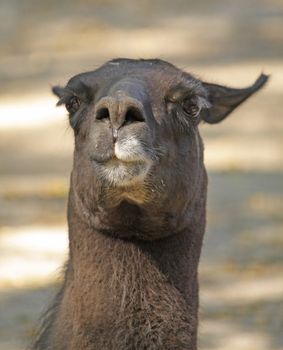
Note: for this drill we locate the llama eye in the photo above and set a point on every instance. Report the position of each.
(190, 107)
(73, 104)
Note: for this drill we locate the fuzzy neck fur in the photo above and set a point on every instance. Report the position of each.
(128, 294)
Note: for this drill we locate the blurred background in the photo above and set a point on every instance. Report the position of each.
(43, 43)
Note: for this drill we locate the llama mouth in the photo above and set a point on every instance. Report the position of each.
(115, 161)
(120, 172)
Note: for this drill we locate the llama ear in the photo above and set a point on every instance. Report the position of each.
(61, 93)
(224, 99)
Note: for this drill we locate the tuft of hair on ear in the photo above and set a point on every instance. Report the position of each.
(203, 102)
(225, 99)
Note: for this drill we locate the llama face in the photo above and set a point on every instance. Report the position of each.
(135, 122)
(136, 129)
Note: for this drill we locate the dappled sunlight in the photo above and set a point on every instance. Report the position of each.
(242, 322)
(243, 292)
(226, 42)
(31, 255)
(30, 112)
(223, 335)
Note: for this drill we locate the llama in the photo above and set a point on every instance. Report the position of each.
(136, 208)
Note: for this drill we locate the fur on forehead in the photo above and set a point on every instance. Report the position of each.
(170, 78)
(166, 73)
(154, 62)
(160, 75)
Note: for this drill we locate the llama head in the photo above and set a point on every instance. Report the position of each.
(136, 131)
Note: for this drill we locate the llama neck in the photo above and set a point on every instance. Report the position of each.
(130, 294)
(175, 257)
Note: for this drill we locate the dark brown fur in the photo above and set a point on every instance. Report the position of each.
(135, 232)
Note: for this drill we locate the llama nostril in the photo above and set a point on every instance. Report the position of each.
(102, 113)
(133, 115)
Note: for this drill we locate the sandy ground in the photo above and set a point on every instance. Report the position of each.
(44, 43)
